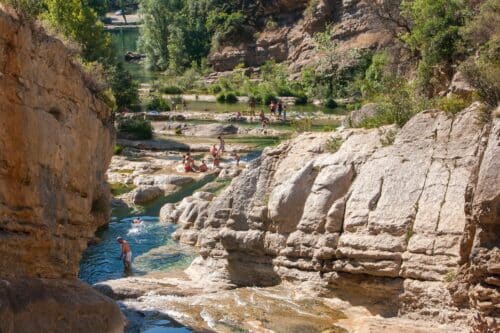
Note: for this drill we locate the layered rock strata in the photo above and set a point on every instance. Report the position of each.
(362, 213)
(56, 139)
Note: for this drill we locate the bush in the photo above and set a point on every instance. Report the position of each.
(453, 104)
(221, 98)
(231, 98)
(300, 98)
(117, 150)
(227, 97)
(330, 103)
(140, 128)
(215, 89)
(158, 104)
(267, 97)
(172, 90)
(333, 144)
(302, 125)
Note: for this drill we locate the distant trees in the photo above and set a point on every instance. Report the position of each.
(78, 21)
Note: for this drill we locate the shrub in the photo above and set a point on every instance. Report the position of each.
(158, 104)
(214, 89)
(231, 98)
(453, 104)
(302, 125)
(300, 98)
(330, 103)
(333, 144)
(178, 131)
(227, 97)
(117, 150)
(221, 98)
(140, 128)
(172, 90)
(267, 97)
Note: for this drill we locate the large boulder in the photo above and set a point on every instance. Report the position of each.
(144, 194)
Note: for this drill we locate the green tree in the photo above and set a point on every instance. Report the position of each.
(125, 88)
(158, 17)
(434, 37)
(78, 21)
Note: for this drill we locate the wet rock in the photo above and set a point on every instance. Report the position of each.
(131, 56)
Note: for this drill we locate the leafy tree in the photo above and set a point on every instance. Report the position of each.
(78, 21)
(125, 88)
(158, 17)
(434, 35)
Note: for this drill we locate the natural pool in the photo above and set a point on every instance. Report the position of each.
(151, 242)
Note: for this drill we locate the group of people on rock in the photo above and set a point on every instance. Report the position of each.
(276, 109)
(216, 153)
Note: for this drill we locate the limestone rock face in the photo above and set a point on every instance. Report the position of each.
(56, 139)
(291, 39)
(393, 216)
(56, 143)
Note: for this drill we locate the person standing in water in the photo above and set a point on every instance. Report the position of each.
(126, 253)
(222, 145)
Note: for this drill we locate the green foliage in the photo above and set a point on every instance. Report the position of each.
(302, 125)
(482, 69)
(330, 103)
(451, 104)
(300, 98)
(141, 128)
(227, 97)
(27, 8)
(450, 276)
(336, 71)
(125, 88)
(409, 235)
(333, 144)
(172, 90)
(78, 21)
(118, 189)
(157, 103)
(434, 35)
(117, 150)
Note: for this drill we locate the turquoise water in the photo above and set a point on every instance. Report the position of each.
(152, 246)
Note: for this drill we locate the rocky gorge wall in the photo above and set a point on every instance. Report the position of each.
(56, 139)
(354, 24)
(383, 214)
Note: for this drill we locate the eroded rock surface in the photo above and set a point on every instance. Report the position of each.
(291, 38)
(374, 217)
(56, 139)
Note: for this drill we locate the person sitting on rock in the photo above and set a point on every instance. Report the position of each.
(203, 167)
(188, 165)
(126, 253)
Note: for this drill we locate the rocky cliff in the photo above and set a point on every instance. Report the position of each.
(383, 214)
(56, 140)
(290, 37)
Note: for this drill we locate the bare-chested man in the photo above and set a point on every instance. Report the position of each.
(126, 253)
